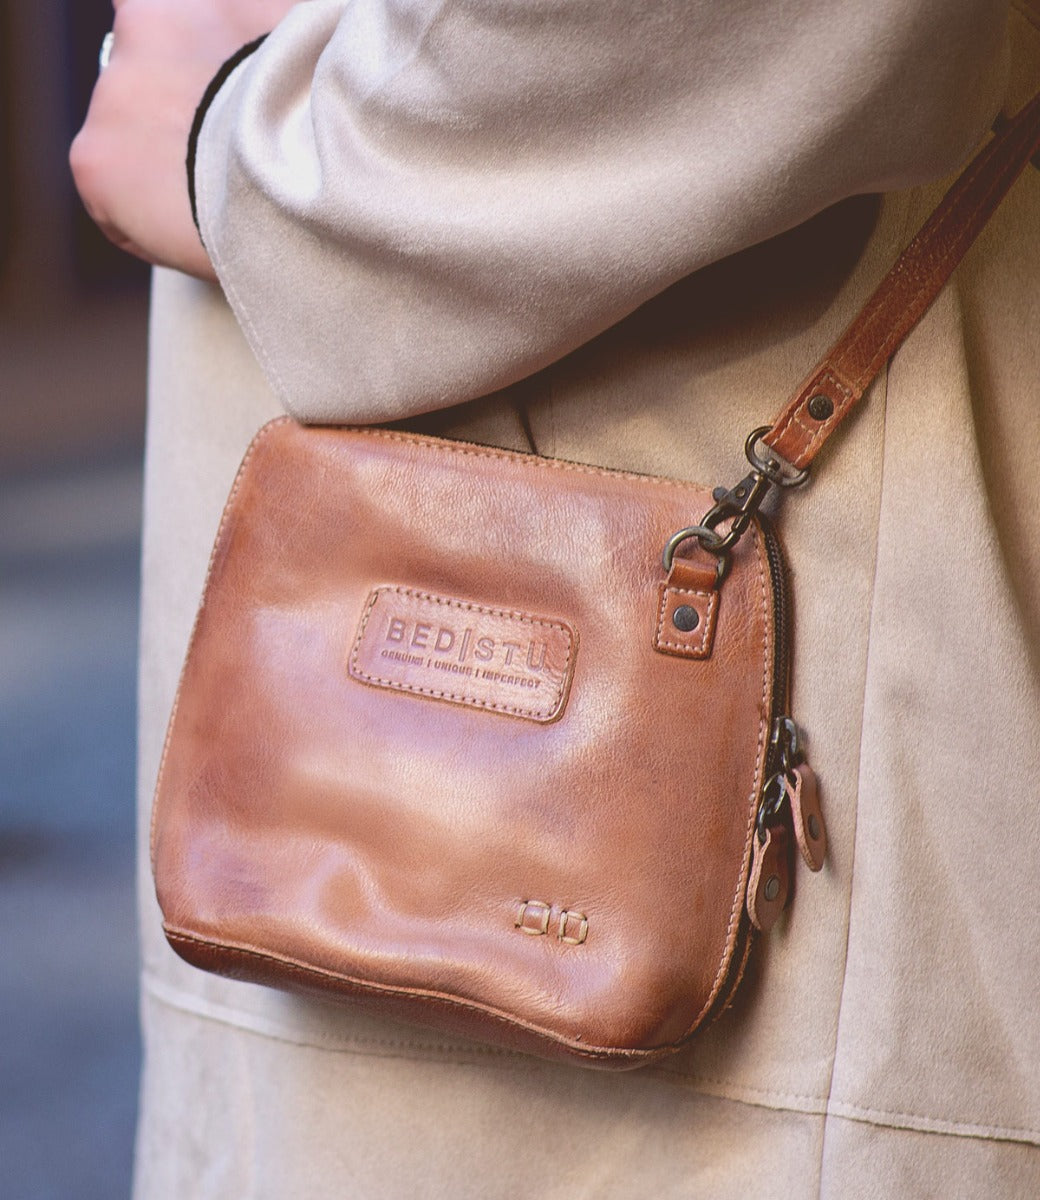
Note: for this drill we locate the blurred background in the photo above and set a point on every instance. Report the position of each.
(73, 317)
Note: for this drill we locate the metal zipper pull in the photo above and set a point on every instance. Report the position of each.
(769, 883)
(790, 801)
(799, 784)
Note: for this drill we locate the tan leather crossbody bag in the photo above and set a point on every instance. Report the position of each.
(502, 743)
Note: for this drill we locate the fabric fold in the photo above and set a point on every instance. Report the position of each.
(412, 206)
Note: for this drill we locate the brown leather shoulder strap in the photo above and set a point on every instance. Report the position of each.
(904, 295)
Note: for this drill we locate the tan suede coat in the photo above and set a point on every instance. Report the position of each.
(887, 1043)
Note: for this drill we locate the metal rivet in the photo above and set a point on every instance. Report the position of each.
(772, 888)
(814, 826)
(686, 618)
(821, 407)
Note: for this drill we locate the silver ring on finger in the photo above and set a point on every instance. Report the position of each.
(105, 53)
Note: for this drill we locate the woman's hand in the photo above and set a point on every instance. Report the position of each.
(128, 159)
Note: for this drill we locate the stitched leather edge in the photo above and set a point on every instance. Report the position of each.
(184, 942)
(702, 647)
(738, 910)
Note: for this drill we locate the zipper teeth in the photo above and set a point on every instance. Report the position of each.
(781, 634)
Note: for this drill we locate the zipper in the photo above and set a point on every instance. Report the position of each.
(788, 803)
(784, 751)
(781, 640)
(769, 877)
(788, 812)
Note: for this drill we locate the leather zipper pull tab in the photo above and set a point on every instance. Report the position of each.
(770, 878)
(809, 830)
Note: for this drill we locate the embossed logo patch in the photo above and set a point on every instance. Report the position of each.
(497, 659)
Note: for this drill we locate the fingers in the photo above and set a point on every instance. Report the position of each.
(128, 159)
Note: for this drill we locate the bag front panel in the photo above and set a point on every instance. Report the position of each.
(557, 834)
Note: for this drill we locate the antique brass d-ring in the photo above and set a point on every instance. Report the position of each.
(709, 540)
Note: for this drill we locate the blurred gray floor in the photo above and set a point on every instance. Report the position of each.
(69, 1051)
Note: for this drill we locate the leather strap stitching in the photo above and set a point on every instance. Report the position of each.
(929, 260)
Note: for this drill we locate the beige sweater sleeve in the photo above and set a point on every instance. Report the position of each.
(411, 203)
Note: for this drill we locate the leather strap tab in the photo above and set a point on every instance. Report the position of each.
(770, 880)
(809, 830)
(904, 295)
(687, 607)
